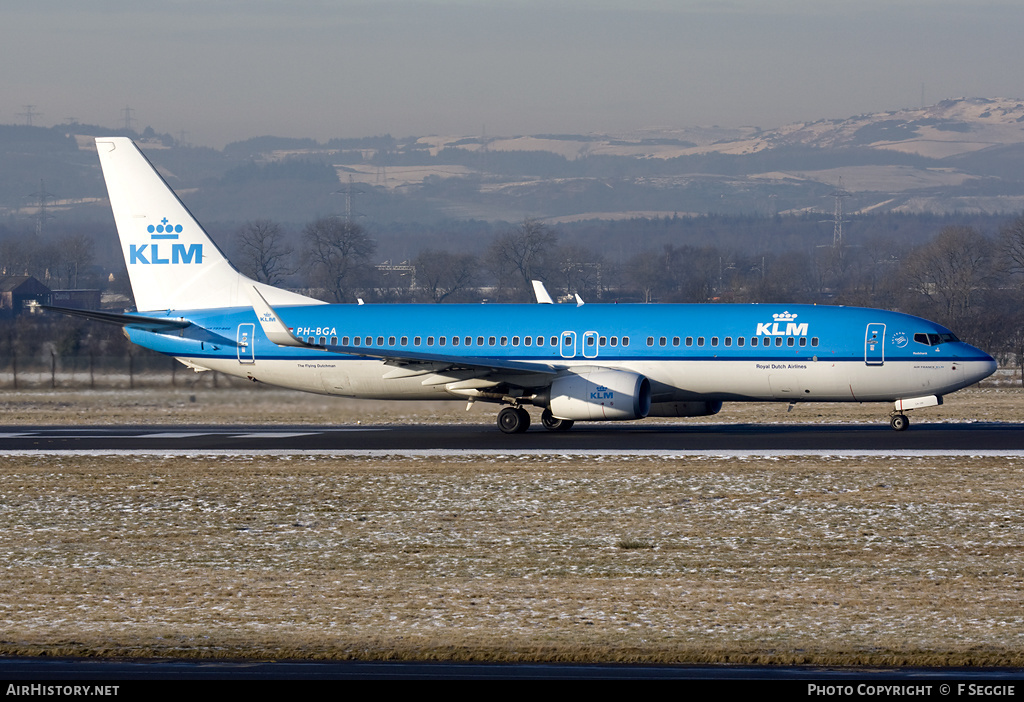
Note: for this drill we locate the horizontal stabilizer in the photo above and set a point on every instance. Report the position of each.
(153, 324)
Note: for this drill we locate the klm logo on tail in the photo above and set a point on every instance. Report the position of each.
(148, 254)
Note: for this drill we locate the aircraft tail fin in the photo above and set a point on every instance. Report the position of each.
(172, 262)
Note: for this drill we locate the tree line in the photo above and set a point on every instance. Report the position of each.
(967, 279)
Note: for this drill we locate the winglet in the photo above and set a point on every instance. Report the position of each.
(271, 322)
(541, 293)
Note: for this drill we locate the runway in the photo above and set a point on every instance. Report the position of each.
(724, 438)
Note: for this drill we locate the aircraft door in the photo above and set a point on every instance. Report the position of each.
(246, 348)
(590, 344)
(567, 344)
(874, 344)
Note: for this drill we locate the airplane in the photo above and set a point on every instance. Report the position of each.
(576, 362)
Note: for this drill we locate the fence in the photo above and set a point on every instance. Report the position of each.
(136, 370)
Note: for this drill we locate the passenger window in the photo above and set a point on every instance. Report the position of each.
(504, 341)
(778, 341)
(515, 341)
(490, 341)
(803, 341)
(527, 340)
(416, 340)
(590, 341)
(728, 341)
(700, 341)
(380, 341)
(662, 341)
(334, 341)
(714, 341)
(790, 341)
(468, 341)
(455, 341)
(554, 341)
(814, 341)
(355, 341)
(675, 341)
(540, 341)
(368, 341)
(625, 341)
(650, 341)
(442, 340)
(603, 341)
(479, 341)
(391, 341)
(766, 341)
(430, 341)
(323, 341)
(405, 341)
(740, 340)
(689, 341)
(344, 341)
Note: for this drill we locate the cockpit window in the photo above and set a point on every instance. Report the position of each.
(934, 339)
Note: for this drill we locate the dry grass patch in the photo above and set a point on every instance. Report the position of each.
(875, 561)
(262, 405)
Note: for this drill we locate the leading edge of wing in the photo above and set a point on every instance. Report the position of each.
(279, 333)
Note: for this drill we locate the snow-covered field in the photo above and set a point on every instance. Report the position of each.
(801, 559)
(878, 559)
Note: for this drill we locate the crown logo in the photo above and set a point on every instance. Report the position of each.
(784, 317)
(164, 230)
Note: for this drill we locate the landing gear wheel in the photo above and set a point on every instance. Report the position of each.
(552, 423)
(899, 422)
(513, 420)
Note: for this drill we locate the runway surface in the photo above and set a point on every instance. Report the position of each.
(726, 438)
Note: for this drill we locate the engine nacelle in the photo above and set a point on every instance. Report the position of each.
(684, 409)
(600, 394)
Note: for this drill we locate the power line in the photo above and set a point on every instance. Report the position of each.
(29, 114)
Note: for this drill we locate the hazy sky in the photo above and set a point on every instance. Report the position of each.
(224, 70)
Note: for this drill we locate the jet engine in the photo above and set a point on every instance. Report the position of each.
(600, 394)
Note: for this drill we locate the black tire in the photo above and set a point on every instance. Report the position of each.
(899, 422)
(552, 423)
(513, 420)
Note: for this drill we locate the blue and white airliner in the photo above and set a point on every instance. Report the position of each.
(576, 362)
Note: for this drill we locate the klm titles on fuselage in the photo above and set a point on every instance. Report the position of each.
(148, 254)
(775, 328)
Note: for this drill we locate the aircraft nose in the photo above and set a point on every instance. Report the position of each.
(983, 367)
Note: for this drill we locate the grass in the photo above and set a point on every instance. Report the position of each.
(790, 560)
(817, 560)
(262, 405)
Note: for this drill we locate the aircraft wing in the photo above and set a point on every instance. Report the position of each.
(279, 333)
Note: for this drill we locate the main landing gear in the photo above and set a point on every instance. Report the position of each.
(516, 420)
(899, 422)
(513, 420)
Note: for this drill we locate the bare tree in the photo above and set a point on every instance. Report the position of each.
(263, 251)
(522, 255)
(76, 254)
(339, 253)
(949, 272)
(580, 271)
(442, 274)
